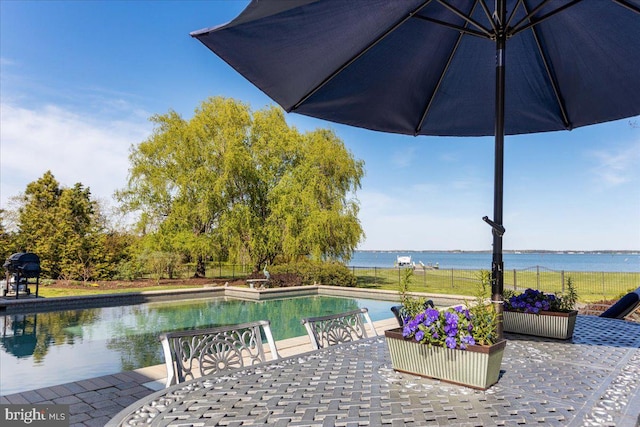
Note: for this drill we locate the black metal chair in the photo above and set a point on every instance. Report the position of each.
(400, 313)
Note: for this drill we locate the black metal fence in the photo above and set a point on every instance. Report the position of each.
(591, 286)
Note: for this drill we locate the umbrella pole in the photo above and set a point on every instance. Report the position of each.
(497, 265)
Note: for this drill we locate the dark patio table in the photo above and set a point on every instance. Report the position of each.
(592, 379)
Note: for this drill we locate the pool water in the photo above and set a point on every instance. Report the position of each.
(44, 349)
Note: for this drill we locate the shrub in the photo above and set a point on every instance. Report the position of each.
(314, 272)
(129, 270)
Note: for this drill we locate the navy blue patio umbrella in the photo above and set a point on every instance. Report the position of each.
(443, 67)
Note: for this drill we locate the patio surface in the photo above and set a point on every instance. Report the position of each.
(591, 380)
(93, 402)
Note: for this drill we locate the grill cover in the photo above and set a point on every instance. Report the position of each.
(24, 263)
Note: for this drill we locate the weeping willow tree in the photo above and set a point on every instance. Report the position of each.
(239, 185)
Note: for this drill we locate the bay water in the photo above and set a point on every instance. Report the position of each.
(558, 261)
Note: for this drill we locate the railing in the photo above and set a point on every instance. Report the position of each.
(217, 270)
(589, 285)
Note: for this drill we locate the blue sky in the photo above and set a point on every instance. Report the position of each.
(79, 81)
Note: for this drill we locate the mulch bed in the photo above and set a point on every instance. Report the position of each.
(277, 280)
(599, 307)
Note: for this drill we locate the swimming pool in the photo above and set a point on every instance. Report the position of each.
(45, 349)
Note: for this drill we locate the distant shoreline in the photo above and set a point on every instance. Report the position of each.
(506, 251)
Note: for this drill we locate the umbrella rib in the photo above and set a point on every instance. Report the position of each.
(358, 56)
(554, 83)
(527, 16)
(435, 90)
(513, 13)
(455, 27)
(532, 22)
(626, 4)
(487, 13)
(468, 18)
(444, 73)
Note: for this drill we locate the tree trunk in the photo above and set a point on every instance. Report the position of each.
(200, 267)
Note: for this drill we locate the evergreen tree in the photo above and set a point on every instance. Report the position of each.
(37, 223)
(8, 241)
(63, 226)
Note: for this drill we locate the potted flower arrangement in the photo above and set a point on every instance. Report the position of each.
(456, 345)
(533, 312)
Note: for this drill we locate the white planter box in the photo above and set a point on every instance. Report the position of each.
(477, 366)
(547, 324)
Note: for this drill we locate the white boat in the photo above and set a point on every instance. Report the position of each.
(404, 261)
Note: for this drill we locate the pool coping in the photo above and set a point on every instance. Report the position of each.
(40, 304)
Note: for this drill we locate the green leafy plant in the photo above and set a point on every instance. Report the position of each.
(411, 305)
(317, 272)
(485, 318)
(569, 299)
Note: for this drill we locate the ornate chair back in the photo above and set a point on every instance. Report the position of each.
(401, 314)
(325, 331)
(194, 353)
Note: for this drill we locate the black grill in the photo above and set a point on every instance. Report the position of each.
(20, 267)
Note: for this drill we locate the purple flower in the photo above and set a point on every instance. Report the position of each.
(432, 315)
(450, 342)
(451, 324)
(406, 331)
(451, 328)
(468, 339)
(532, 301)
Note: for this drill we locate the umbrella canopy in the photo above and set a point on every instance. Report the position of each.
(428, 67)
(443, 67)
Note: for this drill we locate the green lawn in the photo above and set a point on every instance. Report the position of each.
(591, 286)
(52, 292)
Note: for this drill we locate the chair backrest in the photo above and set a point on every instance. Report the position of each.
(194, 353)
(625, 306)
(401, 314)
(325, 331)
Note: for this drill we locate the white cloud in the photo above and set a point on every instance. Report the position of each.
(6, 61)
(617, 165)
(75, 147)
(408, 220)
(403, 158)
